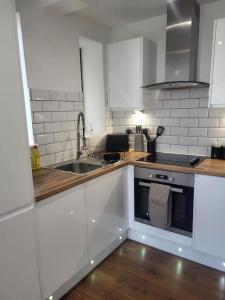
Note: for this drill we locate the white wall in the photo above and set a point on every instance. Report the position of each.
(51, 43)
(153, 29)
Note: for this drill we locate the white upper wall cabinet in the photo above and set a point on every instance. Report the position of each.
(131, 64)
(217, 84)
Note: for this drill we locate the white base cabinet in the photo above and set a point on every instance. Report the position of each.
(106, 210)
(209, 220)
(18, 258)
(62, 233)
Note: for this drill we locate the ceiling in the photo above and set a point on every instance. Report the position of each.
(112, 13)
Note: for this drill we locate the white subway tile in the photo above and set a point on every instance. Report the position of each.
(199, 93)
(72, 135)
(52, 127)
(153, 121)
(207, 142)
(188, 141)
(198, 113)
(59, 116)
(68, 145)
(63, 156)
(170, 122)
(196, 150)
(216, 132)
(197, 132)
(221, 142)
(54, 148)
(72, 96)
(38, 94)
(171, 104)
(217, 112)
(222, 122)
(36, 106)
(61, 137)
(69, 125)
(47, 160)
(172, 140)
(58, 95)
(178, 149)
(165, 148)
(181, 94)
(189, 103)
(40, 117)
(179, 131)
(162, 113)
(66, 106)
(38, 128)
(204, 102)
(208, 122)
(43, 139)
(78, 106)
(50, 106)
(164, 94)
(125, 121)
(72, 115)
(42, 150)
(188, 122)
(179, 113)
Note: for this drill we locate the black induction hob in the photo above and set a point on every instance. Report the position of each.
(173, 159)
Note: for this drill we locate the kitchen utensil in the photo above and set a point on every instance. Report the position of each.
(146, 134)
(159, 132)
(151, 147)
(138, 142)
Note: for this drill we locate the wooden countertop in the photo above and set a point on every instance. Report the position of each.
(49, 182)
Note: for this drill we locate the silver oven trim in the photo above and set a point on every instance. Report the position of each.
(173, 177)
(175, 190)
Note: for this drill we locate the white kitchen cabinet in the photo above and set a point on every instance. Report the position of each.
(209, 209)
(15, 175)
(18, 258)
(217, 84)
(107, 210)
(131, 64)
(62, 230)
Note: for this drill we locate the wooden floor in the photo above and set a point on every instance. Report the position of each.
(136, 271)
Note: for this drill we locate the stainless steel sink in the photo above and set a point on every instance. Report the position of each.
(79, 167)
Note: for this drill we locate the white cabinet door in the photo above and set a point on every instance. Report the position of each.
(209, 221)
(18, 258)
(217, 85)
(106, 210)
(15, 172)
(125, 74)
(62, 230)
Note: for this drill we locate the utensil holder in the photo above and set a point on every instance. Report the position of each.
(151, 147)
(139, 142)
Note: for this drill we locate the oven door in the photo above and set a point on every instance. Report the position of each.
(182, 205)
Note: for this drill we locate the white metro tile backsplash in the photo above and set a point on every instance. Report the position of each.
(54, 123)
(191, 127)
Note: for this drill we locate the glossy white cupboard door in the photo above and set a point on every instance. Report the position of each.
(217, 88)
(62, 231)
(209, 209)
(18, 258)
(15, 171)
(105, 208)
(125, 74)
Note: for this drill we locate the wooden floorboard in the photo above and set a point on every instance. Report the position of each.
(138, 272)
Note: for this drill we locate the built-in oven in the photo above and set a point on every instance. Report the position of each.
(182, 195)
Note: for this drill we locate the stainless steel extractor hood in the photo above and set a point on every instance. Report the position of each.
(182, 34)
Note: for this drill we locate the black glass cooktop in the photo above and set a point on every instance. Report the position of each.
(173, 159)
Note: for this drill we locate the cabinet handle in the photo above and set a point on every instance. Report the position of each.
(175, 190)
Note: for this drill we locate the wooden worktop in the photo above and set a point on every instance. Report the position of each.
(49, 182)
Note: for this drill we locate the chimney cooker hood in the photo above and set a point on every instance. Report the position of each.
(182, 34)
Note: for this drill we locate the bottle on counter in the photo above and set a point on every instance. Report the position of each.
(35, 158)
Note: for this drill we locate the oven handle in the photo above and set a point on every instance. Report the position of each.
(175, 190)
